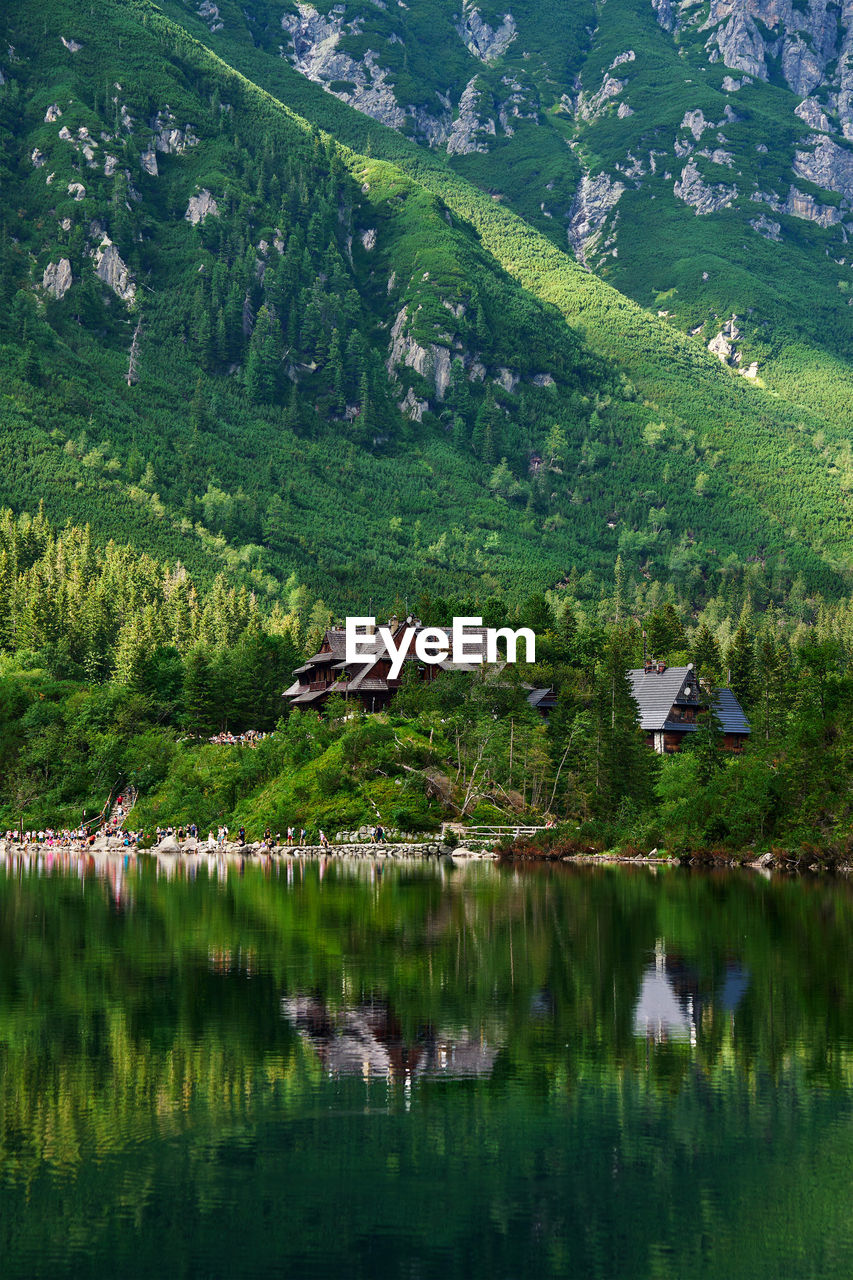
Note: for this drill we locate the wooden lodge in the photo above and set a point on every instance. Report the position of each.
(671, 701)
(327, 672)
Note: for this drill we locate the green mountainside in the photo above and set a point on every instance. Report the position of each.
(233, 340)
(694, 154)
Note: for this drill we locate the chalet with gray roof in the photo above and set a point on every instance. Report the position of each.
(671, 701)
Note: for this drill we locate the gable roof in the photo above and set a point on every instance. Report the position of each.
(730, 712)
(655, 692)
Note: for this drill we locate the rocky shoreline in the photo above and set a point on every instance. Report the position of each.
(190, 848)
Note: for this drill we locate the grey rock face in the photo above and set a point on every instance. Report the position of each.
(811, 113)
(704, 197)
(110, 268)
(200, 207)
(766, 227)
(411, 407)
(590, 106)
(52, 114)
(799, 205)
(828, 165)
(469, 129)
(315, 53)
(802, 69)
(168, 138)
(594, 199)
(57, 278)
(210, 14)
(71, 45)
(148, 160)
(485, 42)
(697, 124)
(432, 362)
(664, 14)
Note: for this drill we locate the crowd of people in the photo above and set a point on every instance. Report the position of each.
(250, 738)
(188, 838)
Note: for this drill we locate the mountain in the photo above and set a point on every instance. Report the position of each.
(694, 154)
(250, 327)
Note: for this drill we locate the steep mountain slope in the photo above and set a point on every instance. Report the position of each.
(695, 154)
(238, 343)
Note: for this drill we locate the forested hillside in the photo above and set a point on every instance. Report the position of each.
(239, 344)
(696, 155)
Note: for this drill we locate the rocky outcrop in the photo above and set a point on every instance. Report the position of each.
(315, 53)
(411, 407)
(52, 114)
(766, 227)
(485, 42)
(77, 190)
(801, 67)
(37, 160)
(209, 13)
(704, 197)
(168, 138)
(802, 35)
(507, 379)
(664, 14)
(590, 106)
(57, 279)
(697, 124)
(828, 165)
(148, 160)
(799, 205)
(812, 114)
(594, 199)
(110, 268)
(432, 362)
(718, 156)
(201, 206)
(71, 45)
(724, 347)
(469, 130)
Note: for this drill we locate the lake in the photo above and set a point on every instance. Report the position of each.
(339, 1069)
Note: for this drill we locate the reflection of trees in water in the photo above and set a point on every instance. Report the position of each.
(120, 1018)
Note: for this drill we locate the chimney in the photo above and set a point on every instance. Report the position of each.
(647, 664)
(661, 668)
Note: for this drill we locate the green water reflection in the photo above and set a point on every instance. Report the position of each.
(311, 1070)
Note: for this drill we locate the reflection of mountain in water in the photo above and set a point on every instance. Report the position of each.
(367, 1039)
(673, 996)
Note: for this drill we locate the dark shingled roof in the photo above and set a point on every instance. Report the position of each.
(730, 713)
(655, 693)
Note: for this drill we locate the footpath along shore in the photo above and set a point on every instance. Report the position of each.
(115, 847)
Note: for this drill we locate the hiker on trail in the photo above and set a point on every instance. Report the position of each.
(242, 835)
(303, 835)
(267, 836)
(323, 841)
(380, 836)
(290, 835)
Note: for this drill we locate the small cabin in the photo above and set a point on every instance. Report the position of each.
(671, 701)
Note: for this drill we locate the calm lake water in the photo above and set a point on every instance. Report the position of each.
(323, 1070)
